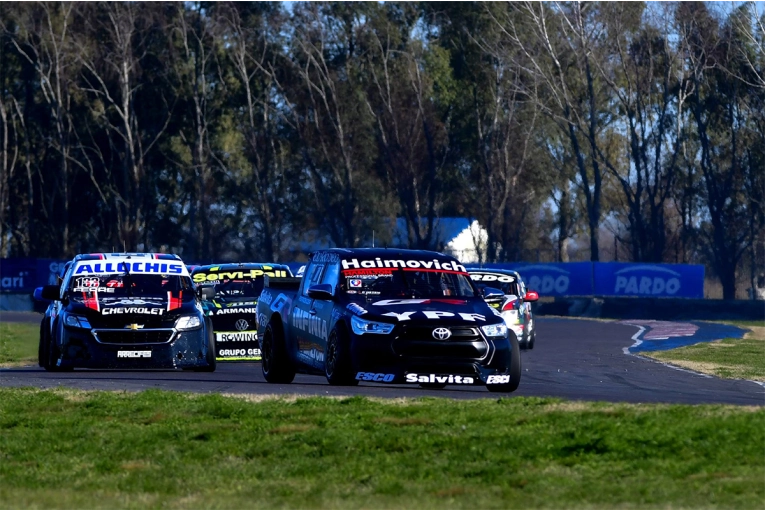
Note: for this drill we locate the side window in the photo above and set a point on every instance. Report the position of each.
(313, 274)
(331, 276)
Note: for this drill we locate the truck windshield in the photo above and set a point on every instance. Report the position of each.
(405, 282)
(130, 284)
(242, 288)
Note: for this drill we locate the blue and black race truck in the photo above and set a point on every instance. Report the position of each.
(235, 290)
(124, 311)
(385, 315)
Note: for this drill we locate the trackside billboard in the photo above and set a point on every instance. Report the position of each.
(611, 279)
(648, 280)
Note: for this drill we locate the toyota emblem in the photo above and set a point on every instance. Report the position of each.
(441, 333)
(241, 325)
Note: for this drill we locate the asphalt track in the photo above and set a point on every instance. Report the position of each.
(573, 360)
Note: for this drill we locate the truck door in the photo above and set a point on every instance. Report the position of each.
(323, 308)
(305, 324)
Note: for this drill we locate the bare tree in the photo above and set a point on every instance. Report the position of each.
(414, 142)
(557, 49)
(111, 77)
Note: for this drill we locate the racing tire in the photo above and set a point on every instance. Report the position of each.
(338, 367)
(54, 353)
(44, 345)
(275, 361)
(514, 372)
(523, 344)
(212, 362)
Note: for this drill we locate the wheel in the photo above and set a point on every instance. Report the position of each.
(524, 342)
(54, 353)
(275, 362)
(514, 372)
(210, 357)
(44, 344)
(337, 361)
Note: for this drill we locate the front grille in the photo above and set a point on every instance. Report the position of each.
(459, 333)
(465, 343)
(133, 337)
(227, 322)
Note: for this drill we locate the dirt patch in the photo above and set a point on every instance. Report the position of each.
(756, 333)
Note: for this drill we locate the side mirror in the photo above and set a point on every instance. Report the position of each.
(37, 295)
(492, 293)
(207, 293)
(322, 291)
(50, 292)
(531, 296)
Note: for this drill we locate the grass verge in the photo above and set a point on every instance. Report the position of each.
(67, 449)
(18, 344)
(729, 358)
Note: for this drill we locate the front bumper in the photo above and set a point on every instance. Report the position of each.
(400, 355)
(81, 348)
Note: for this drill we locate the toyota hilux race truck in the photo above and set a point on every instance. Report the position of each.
(515, 305)
(236, 289)
(127, 310)
(385, 315)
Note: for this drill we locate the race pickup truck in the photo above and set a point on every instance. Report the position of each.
(385, 315)
(125, 311)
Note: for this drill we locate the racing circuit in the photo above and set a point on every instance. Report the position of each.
(573, 359)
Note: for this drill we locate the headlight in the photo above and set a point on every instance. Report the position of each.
(360, 326)
(76, 321)
(188, 322)
(495, 330)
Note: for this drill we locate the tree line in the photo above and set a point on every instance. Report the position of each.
(570, 131)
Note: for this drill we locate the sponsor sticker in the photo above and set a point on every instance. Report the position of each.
(134, 354)
(355, 283)
(439, 379)
(498, 379)
(236, 337)
(371, 376)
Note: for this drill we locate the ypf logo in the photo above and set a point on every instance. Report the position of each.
(241, 325)
(556, 281)
(659, 281)
(442, 333)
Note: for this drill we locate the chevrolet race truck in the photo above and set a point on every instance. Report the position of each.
(389, 316)
(123, 311)
(236, 288)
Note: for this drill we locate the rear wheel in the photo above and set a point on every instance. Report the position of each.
(275, 362)
(514, 372)
(337, 361)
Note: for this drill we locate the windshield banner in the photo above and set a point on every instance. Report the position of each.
(131, 266)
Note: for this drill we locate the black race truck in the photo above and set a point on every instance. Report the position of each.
(387, 316)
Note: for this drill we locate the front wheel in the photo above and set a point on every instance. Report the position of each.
(275, 361)
(54, 353)
(514, 372)
(212, 362)
(337, 363)
(44, 345)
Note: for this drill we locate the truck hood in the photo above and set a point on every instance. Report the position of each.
(446, 311)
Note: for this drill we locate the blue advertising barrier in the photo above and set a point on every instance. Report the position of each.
(554, 279)
(21, 275)
(24, 274)
(648, 280)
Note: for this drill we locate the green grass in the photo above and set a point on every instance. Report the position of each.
(18, 343)
(70, 449)
(729, 358)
